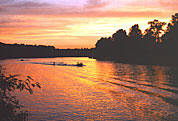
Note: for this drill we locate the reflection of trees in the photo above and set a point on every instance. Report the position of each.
(151, 82)
(141, 73)
(9, 105)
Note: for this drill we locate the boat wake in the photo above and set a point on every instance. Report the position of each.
(59, 64)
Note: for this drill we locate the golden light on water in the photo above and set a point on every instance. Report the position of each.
(99, 90)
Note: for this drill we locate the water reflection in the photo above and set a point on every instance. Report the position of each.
(99, 90)
(147, 86)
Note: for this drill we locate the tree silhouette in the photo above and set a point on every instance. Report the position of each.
(120, 41)
(104, 46)
(119, 36)
(135, 32)
(171, 35)
(172, 29)
(150, 47)
(103, 43)
(156, 28)
(135, 40)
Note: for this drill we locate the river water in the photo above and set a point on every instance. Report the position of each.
(100, 90)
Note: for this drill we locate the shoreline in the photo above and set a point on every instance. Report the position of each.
(117, 60)
(145, 61)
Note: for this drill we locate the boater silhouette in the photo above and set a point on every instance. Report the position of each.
(79, 64)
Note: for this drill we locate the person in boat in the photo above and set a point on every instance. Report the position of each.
(79, 64)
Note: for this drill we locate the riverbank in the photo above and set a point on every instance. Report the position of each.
(162, 60)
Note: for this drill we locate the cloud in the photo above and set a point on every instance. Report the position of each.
(6, 1)
(92, 4)
(28, 4)
(95, 14)
(170, 4)
(15, 13)
(92, 8)
(164, 5)
(14, 7)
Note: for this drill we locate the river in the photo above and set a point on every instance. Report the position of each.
(100, 90)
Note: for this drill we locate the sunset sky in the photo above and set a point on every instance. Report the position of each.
(76, 23)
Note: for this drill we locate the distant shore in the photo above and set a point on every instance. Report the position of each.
(16, 51)
(39, 51)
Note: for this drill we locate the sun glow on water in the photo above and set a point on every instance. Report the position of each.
(100, 90)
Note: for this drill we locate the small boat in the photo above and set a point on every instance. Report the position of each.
(79, 64)
(22, 60)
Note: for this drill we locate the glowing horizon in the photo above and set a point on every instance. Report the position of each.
(76, 23)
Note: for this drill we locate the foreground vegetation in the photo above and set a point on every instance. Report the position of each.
(9, 105)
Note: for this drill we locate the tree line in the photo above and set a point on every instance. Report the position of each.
(22, 50)
(34, 51)
(154, 45)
